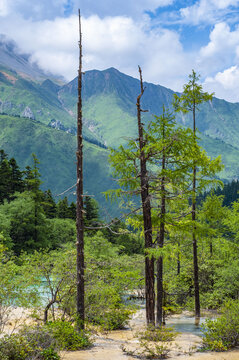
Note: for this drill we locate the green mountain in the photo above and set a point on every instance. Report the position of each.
(20, 137)
(39, 115)
(109, 105)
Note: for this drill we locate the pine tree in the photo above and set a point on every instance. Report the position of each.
(189, 100)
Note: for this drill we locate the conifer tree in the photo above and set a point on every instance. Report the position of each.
(189, 100)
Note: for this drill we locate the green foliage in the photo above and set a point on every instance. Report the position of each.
(15, 286)
(67, 337)
(50, 354)
(105, 308)
(55, 151)
(162, 333)
(30, 343)
(154, 342)
(192, 95)
(48, 204)
(61, 231)
(91, 208)
(127, 241)
(26, 223)
(11, 178)
(223, 333)
(109, 277)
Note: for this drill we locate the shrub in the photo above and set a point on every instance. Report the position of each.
(67, 337)
(13, 348)
(156, 334)
(112, 319)
(154, 342)
(30, 344)
(223, 333)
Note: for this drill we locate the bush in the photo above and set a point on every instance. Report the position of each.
(105, 307)
(154, 341)
(30, 344)
(223, 333)
(13, 348)
(112, 319)
(152, 333)
(67, 337)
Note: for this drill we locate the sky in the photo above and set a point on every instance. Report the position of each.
(167, 38)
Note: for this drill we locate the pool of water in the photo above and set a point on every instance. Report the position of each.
(185, 324)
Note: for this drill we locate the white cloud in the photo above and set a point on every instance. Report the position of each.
(36, 10)
(206, 11)
(4, 7)
(112, 41)
(121, 41)
(222, 50)
(225, 84)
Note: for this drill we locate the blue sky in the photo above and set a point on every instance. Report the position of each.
(168, 38)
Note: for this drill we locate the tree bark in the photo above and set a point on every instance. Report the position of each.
(195, 255)
(146, 206)
(178, 260)
(80, 300)
(160, 291)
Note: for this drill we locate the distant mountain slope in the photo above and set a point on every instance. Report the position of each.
(20, 137)
(20, 63)
(109, 101)
(109, 115)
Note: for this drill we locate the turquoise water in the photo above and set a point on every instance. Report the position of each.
(186, 324)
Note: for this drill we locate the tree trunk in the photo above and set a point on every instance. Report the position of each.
(195, 256)
(145, 199)
(80, 300)
(178, 260)
(160, 291)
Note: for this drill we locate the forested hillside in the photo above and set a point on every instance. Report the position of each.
(109, 116)
(55, 150)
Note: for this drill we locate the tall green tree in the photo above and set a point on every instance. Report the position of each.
(48, 204)
(62, 208)
(33, 183)
(11, 178)
(170, 159)
(189, 101)
(91, 208)
(16, 177)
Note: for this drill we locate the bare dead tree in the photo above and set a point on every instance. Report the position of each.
(80, 300)
(146, 206)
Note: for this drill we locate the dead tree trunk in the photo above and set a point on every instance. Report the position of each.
(146, 206)
(80, 300)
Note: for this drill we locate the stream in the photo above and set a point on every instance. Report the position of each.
(109, 346)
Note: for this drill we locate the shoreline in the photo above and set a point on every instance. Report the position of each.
(109, 346)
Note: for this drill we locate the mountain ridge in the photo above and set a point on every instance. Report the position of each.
(109, 119)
